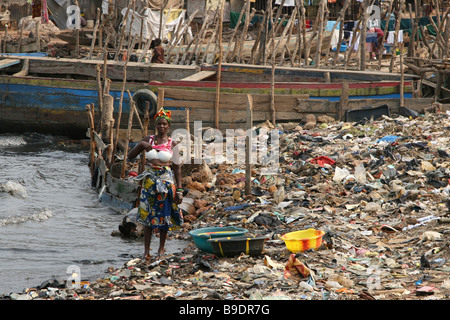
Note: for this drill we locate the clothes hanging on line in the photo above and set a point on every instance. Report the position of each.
(391, 37)
(287, 3)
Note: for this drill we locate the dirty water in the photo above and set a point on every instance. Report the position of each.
(50, 218)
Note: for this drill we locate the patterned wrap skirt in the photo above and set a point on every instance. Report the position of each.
(157, 207)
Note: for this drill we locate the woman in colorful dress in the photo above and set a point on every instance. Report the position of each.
(162, 190)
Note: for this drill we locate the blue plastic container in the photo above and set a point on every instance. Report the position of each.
(202, 235)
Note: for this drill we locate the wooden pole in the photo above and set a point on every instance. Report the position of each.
(386, 29)
(313, 35)
(248, 145)
(201, 38)
(343, 102)
(196, 37)
(144, 134)
(6, 38)
(244, 32)
(94, 35)
(291, 27)
(163, 6)
(19, 46)
(341, 31)
(219, 68)
(236, 27)
(91, 136)
(99, 92)
(363, 36)
(272, 82)
(298, 44)
(280, 40)
(160, 99)
(38, 36)
(258, 38)
(122, 31)
(127, 141)
(320, 33)
(397, 29)
(402, 81)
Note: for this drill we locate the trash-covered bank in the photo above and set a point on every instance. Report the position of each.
(378, 189)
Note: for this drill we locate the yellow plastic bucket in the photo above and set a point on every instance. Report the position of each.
(303, 240)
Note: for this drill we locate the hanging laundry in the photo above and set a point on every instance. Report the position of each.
(391, 37)
(287, 3)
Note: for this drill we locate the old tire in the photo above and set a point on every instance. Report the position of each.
(140, 98)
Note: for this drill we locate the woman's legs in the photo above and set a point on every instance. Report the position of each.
(162, 242)
(147, 239)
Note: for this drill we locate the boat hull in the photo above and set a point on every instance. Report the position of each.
(58, 106)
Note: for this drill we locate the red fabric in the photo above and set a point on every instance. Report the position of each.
(322, 160)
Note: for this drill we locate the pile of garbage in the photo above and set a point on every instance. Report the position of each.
(378, 189)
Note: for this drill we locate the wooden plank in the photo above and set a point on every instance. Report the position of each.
(8, 62)
(202, 75)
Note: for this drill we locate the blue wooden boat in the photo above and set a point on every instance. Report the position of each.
(46, 101)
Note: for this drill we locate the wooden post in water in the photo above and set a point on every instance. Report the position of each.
(91, 136)
(127, 141)
(19, 45)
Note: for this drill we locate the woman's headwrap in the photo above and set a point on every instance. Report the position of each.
(164, 115)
